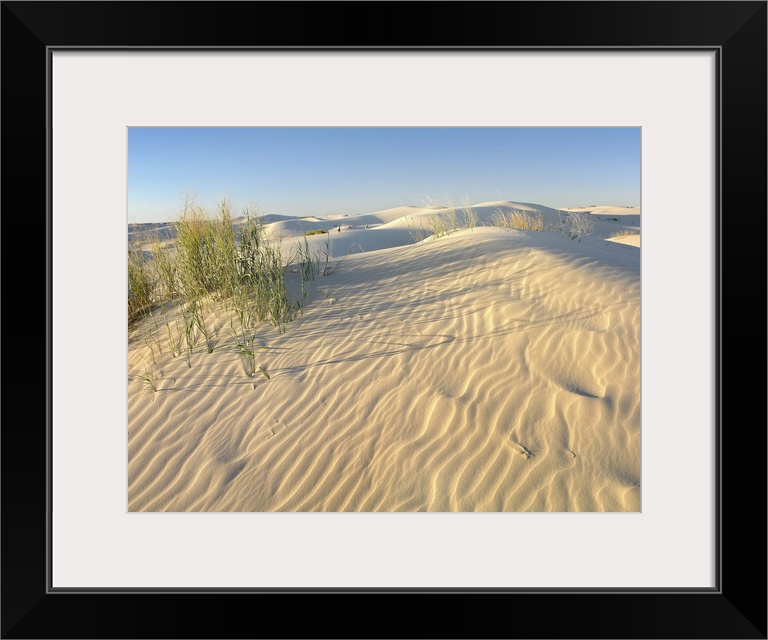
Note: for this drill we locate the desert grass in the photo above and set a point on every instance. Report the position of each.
(152, 339)
(518, 220)
(323, 257)
(206, 253)
(579, 224)
(303, 257)
(416, 231)
(444, 222)
(444, 217)
(141, 284)
(244, 340)
(312, 265)
(212, 265)
(469, 219)
(149, 379)
(174, 336)
(447, 219)
(215, 264)
(163, 266)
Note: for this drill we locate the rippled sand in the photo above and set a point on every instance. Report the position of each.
(489, 370)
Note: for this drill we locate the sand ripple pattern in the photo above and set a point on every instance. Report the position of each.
(483, 371)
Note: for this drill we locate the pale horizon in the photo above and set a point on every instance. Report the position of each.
(303, 171)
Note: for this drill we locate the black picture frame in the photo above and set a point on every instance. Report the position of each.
(736, 608)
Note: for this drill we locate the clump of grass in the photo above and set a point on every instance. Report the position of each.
(151, 339)
(444, 218)
(193, 251)
(417, 232)
(576, 224)
(579, 225)
(190, 330)
(224, 254)
(174, 337)
(150, 376)
(259, 277)
(518, 220)
(206, 252)
(312, 265)
(141, 283)
(443, 223)
(315, 232)
(245, 339)
(247, 356)
(274, 303)
(324, 256)
(198, 320)
(469, 218)
(211, 262)
(307, 268)
(164, 267)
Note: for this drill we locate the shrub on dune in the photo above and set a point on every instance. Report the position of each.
(469, 218)
(416, 232)
(141, 284)
(212, 261)
(443, 218)
(164, 266)
(515, 219)
(579, 225)
(206, 252)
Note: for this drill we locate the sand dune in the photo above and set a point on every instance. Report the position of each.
(487, 370)
(395, 227)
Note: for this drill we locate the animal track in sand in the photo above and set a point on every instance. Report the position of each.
(522, 450)
(573, 388)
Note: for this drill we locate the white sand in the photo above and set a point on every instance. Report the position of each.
(488, 370)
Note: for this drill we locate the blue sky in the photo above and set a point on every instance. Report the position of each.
(323, 171)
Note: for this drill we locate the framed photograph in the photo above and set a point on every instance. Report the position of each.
(161, 479)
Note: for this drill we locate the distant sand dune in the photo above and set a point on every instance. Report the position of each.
(489, 370)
